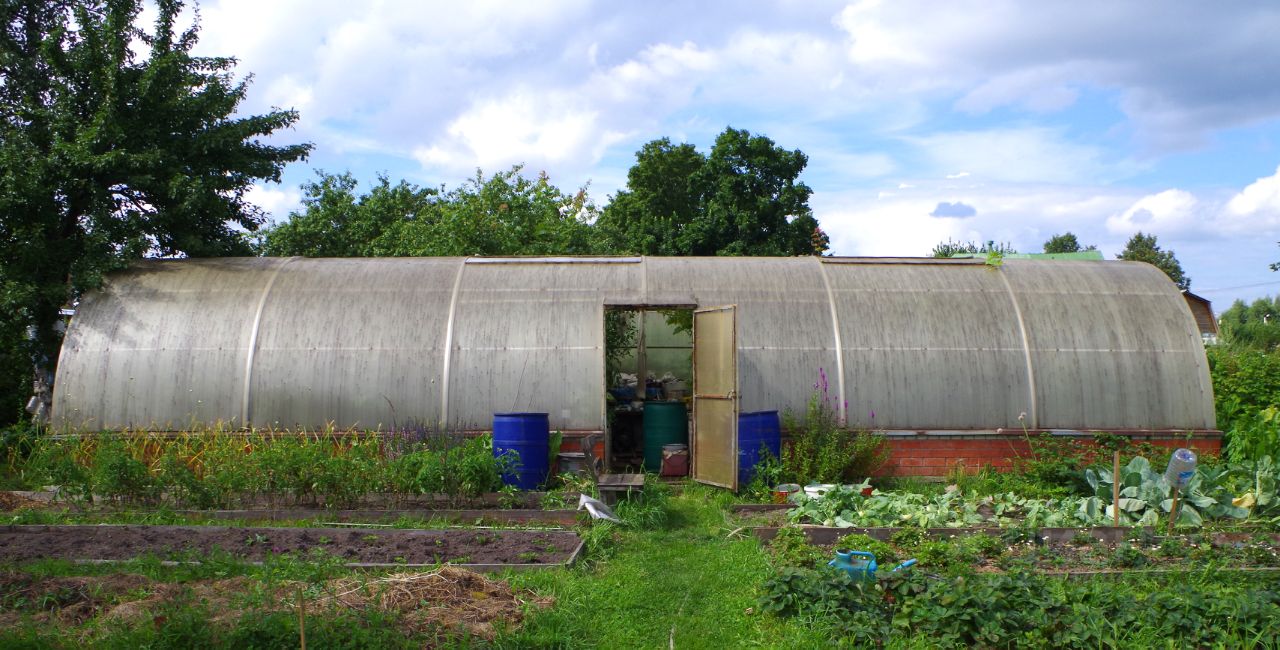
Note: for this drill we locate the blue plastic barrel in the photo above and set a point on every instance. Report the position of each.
(756, 430)
(526, 434)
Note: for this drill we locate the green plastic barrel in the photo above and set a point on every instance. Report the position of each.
(665, 423)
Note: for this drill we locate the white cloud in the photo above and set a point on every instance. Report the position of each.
(1180, 70)
(1028, 154)
(514, 128)
(1040, 89)
(889, 223)
(276, 201)
(1169, 212)
(1253, 211)
(1262, 197)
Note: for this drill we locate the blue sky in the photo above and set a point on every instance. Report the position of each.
(922, 121)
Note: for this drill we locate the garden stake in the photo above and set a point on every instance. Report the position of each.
(302, 620)
(1115, 487)
(1173, 512)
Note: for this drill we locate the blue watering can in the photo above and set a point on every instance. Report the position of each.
(861, 565)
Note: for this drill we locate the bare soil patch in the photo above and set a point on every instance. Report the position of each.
(449, 598)
(487, 546)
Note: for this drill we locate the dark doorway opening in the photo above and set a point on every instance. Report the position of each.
(648, 368)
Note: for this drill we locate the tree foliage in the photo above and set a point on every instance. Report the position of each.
(1143, 248)
(504, 214)
(1066, 243)
(743, 198)
(1255, 326)
(115, 143)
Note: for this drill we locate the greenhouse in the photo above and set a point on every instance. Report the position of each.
(907, 346)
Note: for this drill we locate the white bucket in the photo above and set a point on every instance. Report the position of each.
(818, 491)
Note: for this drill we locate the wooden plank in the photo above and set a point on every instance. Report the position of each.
(824, 535)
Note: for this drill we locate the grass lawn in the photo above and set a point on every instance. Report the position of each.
(681, 582)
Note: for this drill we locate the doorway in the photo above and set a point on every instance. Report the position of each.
(648, 373)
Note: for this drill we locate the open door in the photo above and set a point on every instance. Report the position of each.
(715, 396)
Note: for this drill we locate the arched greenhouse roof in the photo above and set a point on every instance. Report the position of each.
(922, 344)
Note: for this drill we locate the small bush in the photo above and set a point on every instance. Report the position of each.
(823, 450)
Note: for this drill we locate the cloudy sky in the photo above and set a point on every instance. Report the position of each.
(923, 121)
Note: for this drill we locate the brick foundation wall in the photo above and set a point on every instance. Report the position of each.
(936, 454)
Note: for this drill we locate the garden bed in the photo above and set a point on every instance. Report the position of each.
(825, 535)
(484, 516)
(384, 547)
(1069, 551)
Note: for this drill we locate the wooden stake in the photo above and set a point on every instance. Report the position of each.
(302, 619)
(1115, 487)
(1173, 511)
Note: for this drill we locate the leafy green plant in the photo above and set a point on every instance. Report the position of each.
(1145, 496)
(885, 554)
(909, 538)
(1173, 547)
(1127, 556)
(979, 545)
(791, 548)
(1022, 609)
(215, 468)
(822, 449)
(767, 473)
(1246, 383)
(117, 474)
(945, 556)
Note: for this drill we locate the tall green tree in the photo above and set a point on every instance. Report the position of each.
(1066, 243)
(664, 195)
(1143, 248)
(503, 214)
(743, 198)
(1254, 326)
(336, 221)
(108, 155)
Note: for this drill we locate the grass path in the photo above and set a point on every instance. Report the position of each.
(685, 575)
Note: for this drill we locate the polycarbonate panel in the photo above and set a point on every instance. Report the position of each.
(928, 346)
(1113, 345)
(714, 354)
(783, 319)
(353, 342)
(715, 397)
(529, 337)
(363, 342)
(715, 443)
(161, 345)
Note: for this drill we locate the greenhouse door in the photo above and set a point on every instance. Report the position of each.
(715, 396)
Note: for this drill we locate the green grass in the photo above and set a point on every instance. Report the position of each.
(672, 573)
(684, 576)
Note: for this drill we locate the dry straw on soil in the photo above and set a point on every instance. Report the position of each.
(457, 600)
(450, 600)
